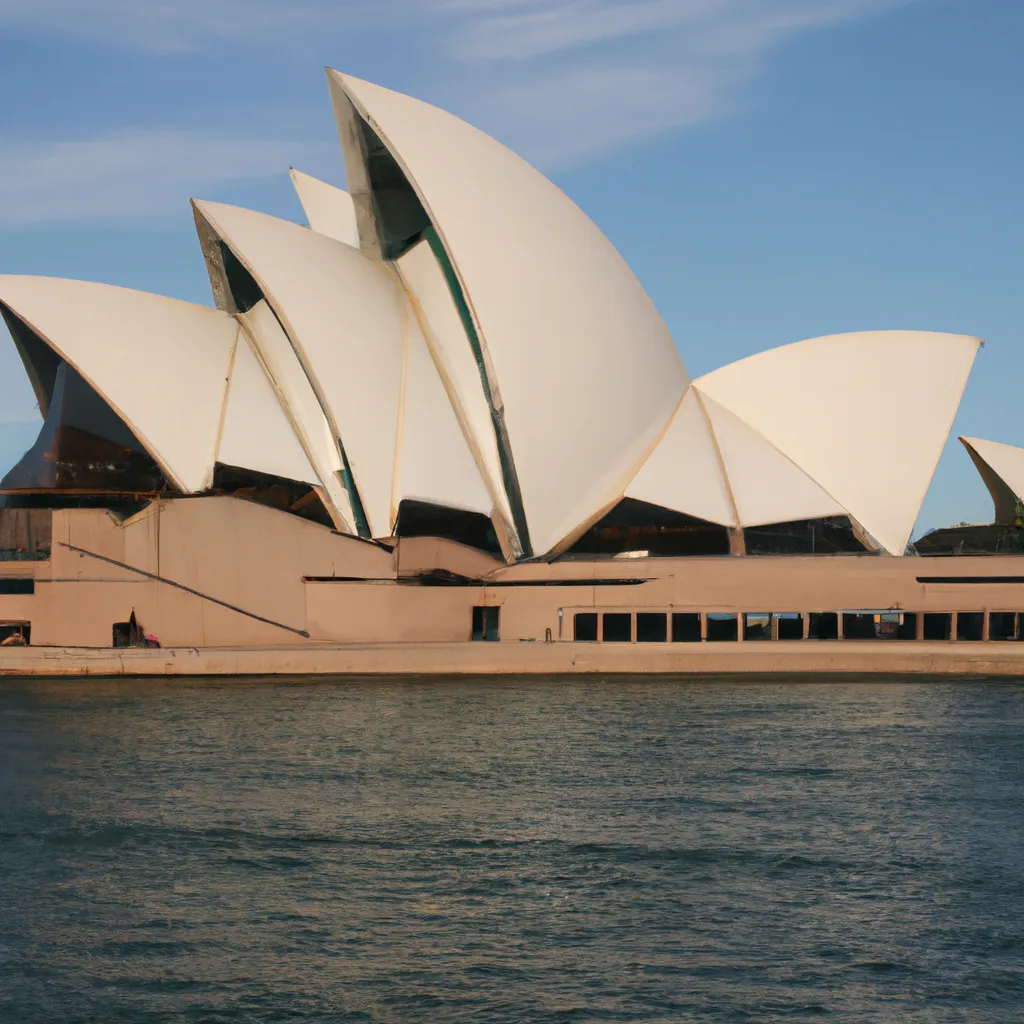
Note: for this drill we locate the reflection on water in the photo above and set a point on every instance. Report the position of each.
(511, 851)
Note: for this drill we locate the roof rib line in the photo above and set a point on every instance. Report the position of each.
(768, 441)
(181, 586)
(510, 477)
(719, 458)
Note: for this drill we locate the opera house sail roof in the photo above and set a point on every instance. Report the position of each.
(1001, 467)
(455, 334)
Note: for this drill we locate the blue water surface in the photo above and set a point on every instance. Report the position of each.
(511, 850)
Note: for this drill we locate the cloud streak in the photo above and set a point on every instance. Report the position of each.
(530, 29)
(134, 173)
(567, 80)
(562, 81)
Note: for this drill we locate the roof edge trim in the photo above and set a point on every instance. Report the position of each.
(354, 152)
(349, 481)
(154, 453)
(728, 407)
(978, 345)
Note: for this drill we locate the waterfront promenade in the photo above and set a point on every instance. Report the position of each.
(510, 658)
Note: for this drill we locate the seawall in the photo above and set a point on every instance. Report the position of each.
(803, 658)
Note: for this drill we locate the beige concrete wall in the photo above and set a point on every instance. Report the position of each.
(811, 660)
(82, 614)
(237, 552)
(23, 570)
(17, 607)
(95, 530)
(416, 555)
(257, 559)
(390, 612)
(782, 584)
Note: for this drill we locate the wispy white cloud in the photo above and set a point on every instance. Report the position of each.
(132, 173)
(481, 29)
(172, 25)
(561, 118)
(565, 80)
(524, 29)
(562, 81)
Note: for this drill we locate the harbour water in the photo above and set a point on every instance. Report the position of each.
(537, 851)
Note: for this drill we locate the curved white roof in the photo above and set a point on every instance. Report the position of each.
(1002, 468)
(257, 433)
(442, 327)
(766, 486)
(712, 465)
(685, 471)
(343, 316)
(329, 210)
(433, 463)
(865, 416)
(296, 397)
(585, 369)
(161, 365)
(508, 363)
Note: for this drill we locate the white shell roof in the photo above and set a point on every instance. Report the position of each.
(161, 365)
(257, 433)
(433, 463)
(581, 362)
(443, 330)
(343, 315)
(865, 416)
(685, 471)
(766, 486)
(307, 418)
(850, 424)
(574, 360)
(1003, 461)
(329, 210)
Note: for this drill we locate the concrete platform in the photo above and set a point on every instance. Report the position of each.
(762, 659)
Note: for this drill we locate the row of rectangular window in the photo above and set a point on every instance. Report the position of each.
(686, 627)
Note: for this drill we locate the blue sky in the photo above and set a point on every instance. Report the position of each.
(772, 169)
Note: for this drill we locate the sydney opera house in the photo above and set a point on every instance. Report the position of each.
(446, 411)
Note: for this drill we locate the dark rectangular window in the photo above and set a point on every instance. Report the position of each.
(723, 626)
(485, 623)
(879, 625)
(617, 627)
(586, 627)
(936, 625)
(859, 626)
(1002, 626)
(969, 625)
(686, 627)
(908, 627)
(15, 634)
(757, 626)
(823, 626)
(651, 627)
(790, 625)
(17, 586)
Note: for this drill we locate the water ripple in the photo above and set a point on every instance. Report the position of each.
(522, 850)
